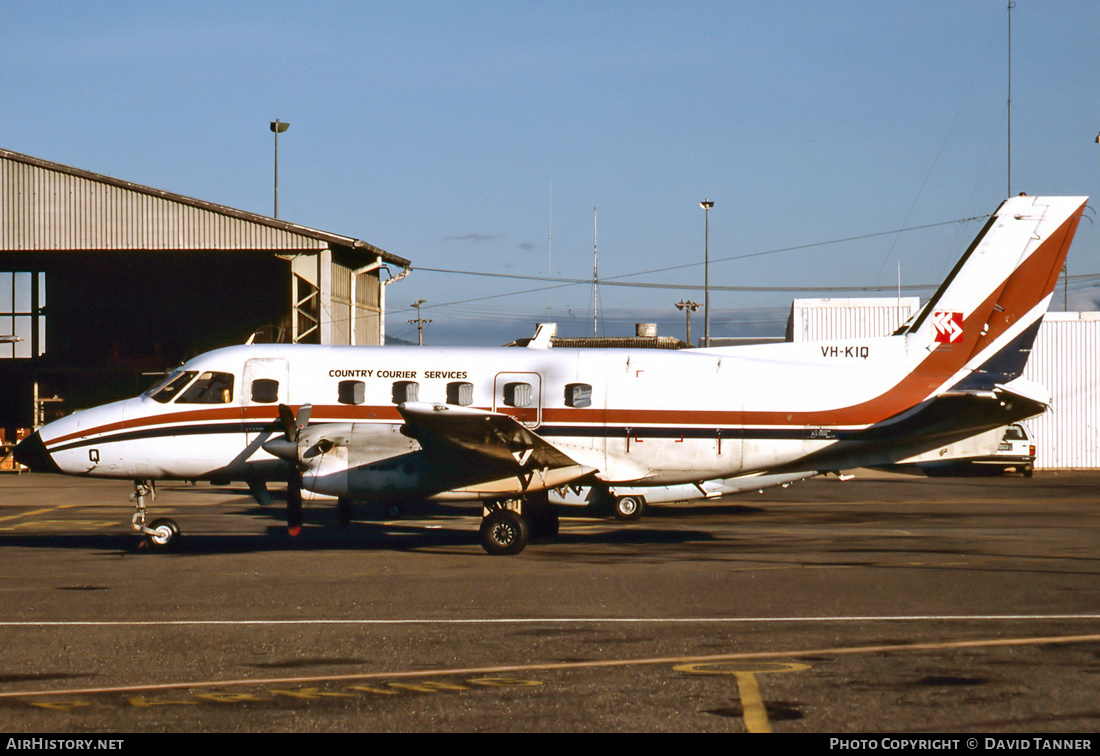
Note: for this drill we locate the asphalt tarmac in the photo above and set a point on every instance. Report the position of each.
(934, 608)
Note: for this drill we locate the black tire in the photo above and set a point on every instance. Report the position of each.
(629, 508)
(343, 512)
(544, 523)
(503, 533)
(165, 535)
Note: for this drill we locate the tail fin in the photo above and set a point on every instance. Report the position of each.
(981, 323)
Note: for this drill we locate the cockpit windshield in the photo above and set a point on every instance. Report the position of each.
(166, 390)
(208, 388)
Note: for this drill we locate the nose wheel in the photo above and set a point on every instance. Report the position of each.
(162, 533)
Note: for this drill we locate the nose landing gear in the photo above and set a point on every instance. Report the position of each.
(161, 533)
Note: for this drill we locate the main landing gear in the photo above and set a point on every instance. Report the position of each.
(161, 533)
(508, 525)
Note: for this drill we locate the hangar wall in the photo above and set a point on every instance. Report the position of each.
(1064, 359)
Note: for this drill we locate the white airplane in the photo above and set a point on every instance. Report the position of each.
(506, 427)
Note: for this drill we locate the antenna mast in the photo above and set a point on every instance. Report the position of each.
(595, 277)
(550, 249)
(1011, 5)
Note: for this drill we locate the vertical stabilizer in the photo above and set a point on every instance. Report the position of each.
(980, 324)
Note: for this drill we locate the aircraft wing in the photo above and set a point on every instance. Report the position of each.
(486, 436)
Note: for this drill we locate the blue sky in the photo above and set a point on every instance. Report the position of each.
(484, 136)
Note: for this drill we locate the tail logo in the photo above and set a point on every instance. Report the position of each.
(948, 326)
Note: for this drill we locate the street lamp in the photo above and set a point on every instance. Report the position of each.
(706, 205)
(278, 127)
(690, 307)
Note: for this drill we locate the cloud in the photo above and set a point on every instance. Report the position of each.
(474, 236)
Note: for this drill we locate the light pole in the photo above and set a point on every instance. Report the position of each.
(278, 127)
(706, 205)
(690, 307)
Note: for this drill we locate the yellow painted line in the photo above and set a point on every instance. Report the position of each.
(34, 512)
(563, 666)
(66, 525)
(753, 710)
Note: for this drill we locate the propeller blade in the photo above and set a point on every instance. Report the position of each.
(258, 488)
(303, 416)
(290, 426)
(294, 505)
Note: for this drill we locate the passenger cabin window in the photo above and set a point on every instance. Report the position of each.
(352, 392)
(166, 390)
(578, 395)
(517, 394)
(209, 388)
(265, 390)
(460, 393)
(406, 391)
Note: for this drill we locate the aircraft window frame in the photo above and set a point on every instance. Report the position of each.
(167, 390)
(211, 387)
(518, 394)
(578, 395)
(460, 393)
(351, 392)
(406, 391)
(262, 389)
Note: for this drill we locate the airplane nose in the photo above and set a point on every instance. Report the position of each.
(32, 453)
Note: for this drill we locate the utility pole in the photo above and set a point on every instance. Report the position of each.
(690, 307)
(1011, 5)
(420, 322)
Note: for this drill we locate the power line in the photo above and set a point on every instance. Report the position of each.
(616, 280)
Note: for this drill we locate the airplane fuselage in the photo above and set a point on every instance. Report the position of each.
(649, 417)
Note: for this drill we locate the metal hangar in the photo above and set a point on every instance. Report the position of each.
(105, 283)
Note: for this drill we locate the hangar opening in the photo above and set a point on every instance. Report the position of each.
(106, 285)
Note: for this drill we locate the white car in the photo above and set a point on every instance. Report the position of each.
(1015, 450)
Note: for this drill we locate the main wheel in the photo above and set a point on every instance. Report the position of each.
(503, 532)
(343, 511)
(629, 507)
(165, 535)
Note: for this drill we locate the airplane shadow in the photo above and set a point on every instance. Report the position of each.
(438, 531)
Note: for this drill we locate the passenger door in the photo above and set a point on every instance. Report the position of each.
(265, 385)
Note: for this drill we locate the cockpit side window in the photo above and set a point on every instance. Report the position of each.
(166, 390)
(209, 388)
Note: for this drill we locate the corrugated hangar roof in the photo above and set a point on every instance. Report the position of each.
(48, 206)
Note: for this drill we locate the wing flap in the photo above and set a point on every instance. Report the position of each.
(488, 436)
